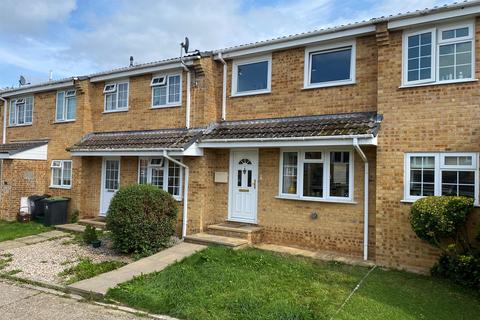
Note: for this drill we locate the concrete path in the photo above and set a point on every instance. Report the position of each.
(25, 241)
(26, 303)
(99, 285)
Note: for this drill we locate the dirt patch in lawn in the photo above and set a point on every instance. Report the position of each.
(47, 261)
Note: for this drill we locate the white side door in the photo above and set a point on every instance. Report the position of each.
(110, 182)
(243, 186)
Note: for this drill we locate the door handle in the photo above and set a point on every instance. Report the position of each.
(254, 184)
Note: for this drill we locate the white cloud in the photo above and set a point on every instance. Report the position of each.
(23, 16)
(152, 29)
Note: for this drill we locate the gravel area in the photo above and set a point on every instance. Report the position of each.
(45, 260)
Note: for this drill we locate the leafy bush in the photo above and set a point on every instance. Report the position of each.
(90, 234)
(434, 219)
(441, 221)
(463, 269)
(141, 219)
(74, 216)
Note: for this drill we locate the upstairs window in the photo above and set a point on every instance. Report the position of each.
(441, 174)
(252, 76)
(66, 108)
(21, 111)
(316, 175)
(330, 65)
(61, 173)
(116, 96)
(439, 55)
(166, 91)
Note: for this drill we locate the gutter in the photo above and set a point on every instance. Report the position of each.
(365, 199)
(360, 136)
(224, 87)
(185, 193)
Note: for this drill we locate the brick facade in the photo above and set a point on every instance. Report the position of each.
(431, 118)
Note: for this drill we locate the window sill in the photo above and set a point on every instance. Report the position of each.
(19, 125)
(115, 111)
(65, 121)
(60, 187)
(250, 93)
(437, 83)
(166, 106)
(329, 84)
(317, 200)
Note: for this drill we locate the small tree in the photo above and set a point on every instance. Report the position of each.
(141, 219)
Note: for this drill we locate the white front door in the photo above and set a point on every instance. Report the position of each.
(110, 182)
(243, 186)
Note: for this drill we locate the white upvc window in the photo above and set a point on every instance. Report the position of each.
(166, 90)
(252, 76)
(437, 174)
(21, 111)
(443, 54)
(316, 174)
(66, 108)
(162, 173)
(330, 65)
(61, 174)
(116, 96)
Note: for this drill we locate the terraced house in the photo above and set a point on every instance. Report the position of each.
(319, 140)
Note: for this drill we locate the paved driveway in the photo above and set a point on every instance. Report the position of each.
(17, 302)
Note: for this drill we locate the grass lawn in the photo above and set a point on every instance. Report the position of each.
(219, 283)
(87, 269)
(12, 230)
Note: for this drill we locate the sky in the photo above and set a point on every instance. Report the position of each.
(78, 37)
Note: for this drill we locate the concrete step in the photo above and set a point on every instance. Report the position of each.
(96, 222)
(251, 233)
(211, 239)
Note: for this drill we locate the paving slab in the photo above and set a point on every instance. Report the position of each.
(10, 244)
(99, 285)
(70, 227)
(20, 303)
(31, 239)
(53, 234)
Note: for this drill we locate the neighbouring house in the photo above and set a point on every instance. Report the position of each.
(320, 140)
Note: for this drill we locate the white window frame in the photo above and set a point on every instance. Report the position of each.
(436, 43)
(241, 62)
(166, 84)
(67, 94)
(326, 175)
(338, 46)
(13, 103)
(439, 167)
(61, 165)
(165, 165)
(115, 90)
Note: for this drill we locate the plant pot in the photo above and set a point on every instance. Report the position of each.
(96, 243)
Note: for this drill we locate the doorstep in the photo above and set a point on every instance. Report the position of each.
(211, 239)
(72, 227)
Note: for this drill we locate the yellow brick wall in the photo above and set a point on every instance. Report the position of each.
(288, 98)
(429, 118)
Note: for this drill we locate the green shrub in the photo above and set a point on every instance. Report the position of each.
(463, 269)
(90, 234)
(435, 219)
(141, 219)
(74, 216)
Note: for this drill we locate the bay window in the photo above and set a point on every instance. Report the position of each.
(21, 111)
(439, 55)
(316, 175)
(441, 174)
(162, 173)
